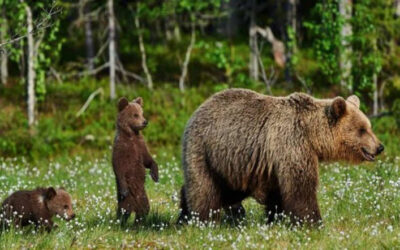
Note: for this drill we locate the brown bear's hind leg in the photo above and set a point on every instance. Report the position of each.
(204, 197)
(235, 212)
(122, 215)
(141, 205)
(184, 215)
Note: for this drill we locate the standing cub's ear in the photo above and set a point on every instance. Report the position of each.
(139, 101)
(338, 107)
(50, 193)
(122, 103)
(354, 100)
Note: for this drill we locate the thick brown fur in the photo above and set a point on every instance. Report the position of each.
(37, 207)
(130, 157)
(240, 143)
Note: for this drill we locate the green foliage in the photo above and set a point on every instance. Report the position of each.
(396, 111)
(224, 56)
(367, 60)
(325, 29)
(59, 131)
(374, 26)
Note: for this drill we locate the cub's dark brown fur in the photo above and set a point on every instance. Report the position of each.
(130, 158)
(240, 143)
(37, 207)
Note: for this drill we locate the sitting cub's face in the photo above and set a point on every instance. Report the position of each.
(58, 201)
(130, 116)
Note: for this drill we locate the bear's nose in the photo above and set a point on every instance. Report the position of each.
(380, 149)
(72, 216)
(145, 122)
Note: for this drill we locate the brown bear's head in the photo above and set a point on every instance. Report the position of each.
(354, 139)
(59, 203)
(130, 117)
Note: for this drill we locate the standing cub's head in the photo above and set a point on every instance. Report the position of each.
(354, 139)
(58, 201)
(130, 115)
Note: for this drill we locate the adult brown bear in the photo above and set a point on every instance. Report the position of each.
(240, 143)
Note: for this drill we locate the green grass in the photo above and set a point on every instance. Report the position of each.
(360, 206)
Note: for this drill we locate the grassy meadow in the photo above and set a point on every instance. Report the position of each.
(360, 204)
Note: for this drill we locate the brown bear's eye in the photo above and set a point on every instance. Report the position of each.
(362, 131)
(136, 115)
(66, 207)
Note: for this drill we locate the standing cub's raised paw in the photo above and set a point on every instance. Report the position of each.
(154, 172)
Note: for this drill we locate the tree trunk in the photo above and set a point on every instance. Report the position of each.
(111, 34)
(253, 64)
(187, 58)
(345, 9)
(376, 101)
(89, 40)
(143, 53)
(291, 31)
(31, 67)
(381, 95)
(177, 29)
(3, 54)
(233, 19)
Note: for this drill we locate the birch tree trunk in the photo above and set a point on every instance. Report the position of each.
(397, 8)
(3, 54)
(187, 58)
(375, 109)
(111, 34)
(143, 53)
(253, 64)
(345, 9)
(31, 67)
(88, 39)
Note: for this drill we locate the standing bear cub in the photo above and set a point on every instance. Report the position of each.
(240, 143)
(130, 157)
(36, 207)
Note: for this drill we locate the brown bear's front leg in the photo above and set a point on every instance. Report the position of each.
(46, 224)
(299, 194)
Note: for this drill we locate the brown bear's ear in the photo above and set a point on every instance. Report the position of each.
(122, 103)
(50, 193)
(139, 101)
(354, 100)
(338, 107)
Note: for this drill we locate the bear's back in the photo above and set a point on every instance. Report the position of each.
(240, 131)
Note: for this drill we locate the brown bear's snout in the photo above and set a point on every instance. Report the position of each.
(145, 123)
(380, 149)
(71, 217)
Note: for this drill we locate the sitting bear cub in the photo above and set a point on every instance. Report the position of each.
(36, 207)
(130, 157)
